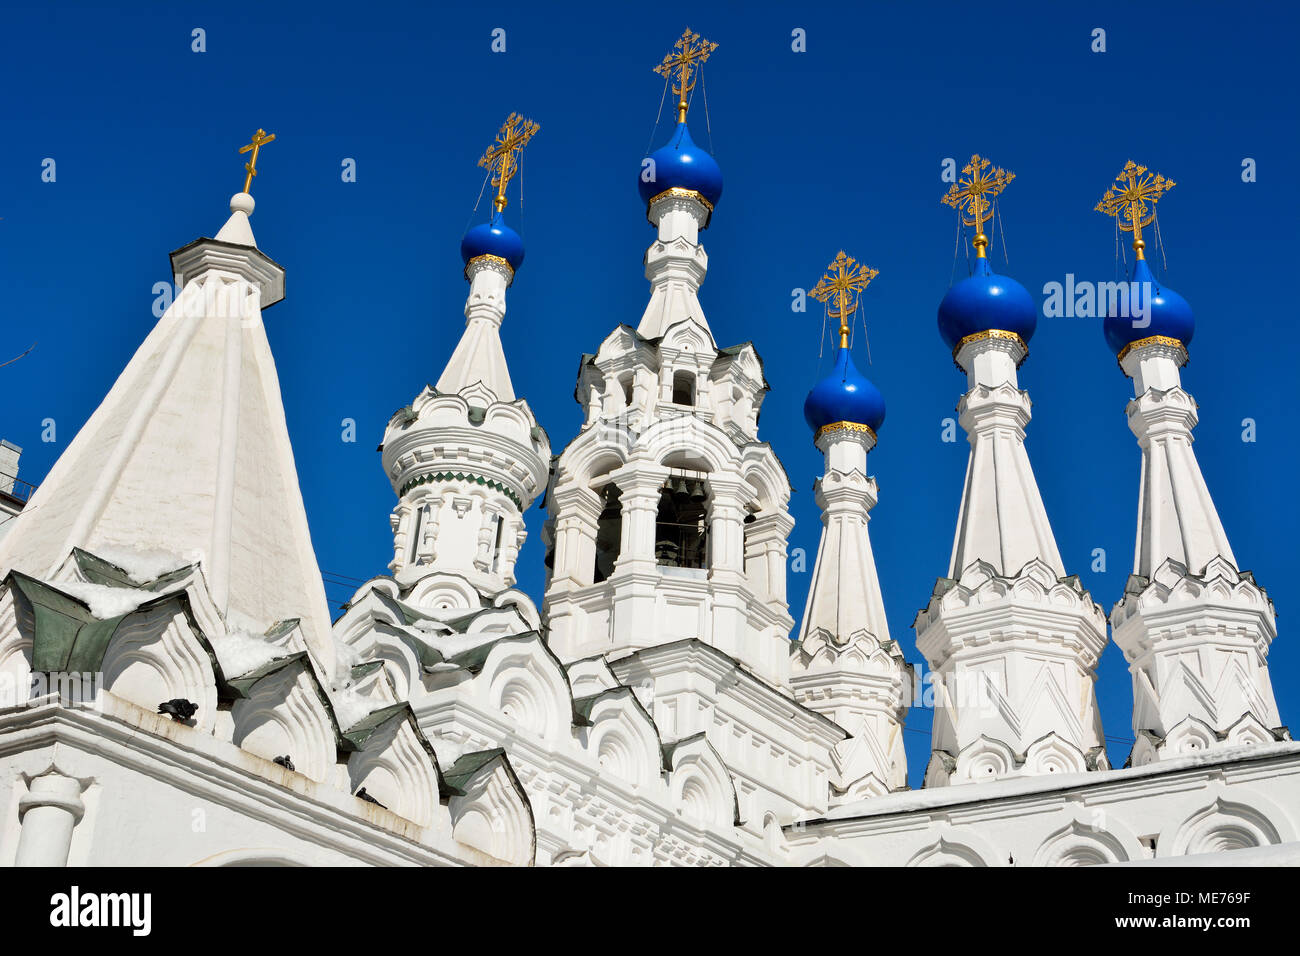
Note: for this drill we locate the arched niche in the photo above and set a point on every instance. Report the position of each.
(154, 656)
(523, 681)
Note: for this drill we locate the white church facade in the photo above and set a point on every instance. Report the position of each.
(174, 692)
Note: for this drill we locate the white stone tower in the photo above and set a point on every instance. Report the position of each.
(187, 461)
(467, 458)
(1194, 628)
(667, 516)
(844, 664)
(1012, 641)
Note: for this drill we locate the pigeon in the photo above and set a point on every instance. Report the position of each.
(178, 708)
(286, 762)
(368, 798)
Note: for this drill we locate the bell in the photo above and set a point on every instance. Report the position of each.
(681, 488)
(699, 494)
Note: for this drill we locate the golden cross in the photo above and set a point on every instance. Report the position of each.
(971, 196)
(260, 139)
(844, 279)
(1127, 200)
(513, 136)
(689, 51)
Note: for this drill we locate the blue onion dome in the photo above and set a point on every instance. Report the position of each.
(1168, 313)
(845, 395)
(681, 164)
(984, 302)
(493, 238)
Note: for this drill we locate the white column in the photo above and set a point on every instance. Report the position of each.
(765, 554)
(640, 488)
(512, 542)
(487, 531)
(727, 497)
(576, 513)
(48, 812)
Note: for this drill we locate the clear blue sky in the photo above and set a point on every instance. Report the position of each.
(840, 146)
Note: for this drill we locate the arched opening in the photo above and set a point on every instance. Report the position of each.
(626, 381)
(750, 518)
(683, 388)
(609, 532)
(682, 525)
(496, 542)
(419, 517)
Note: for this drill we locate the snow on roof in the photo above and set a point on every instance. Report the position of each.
(104, 602)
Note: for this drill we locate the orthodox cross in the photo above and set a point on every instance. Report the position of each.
(840, 287)
(1128, 197)
(970, 196)
(260, 139)
(688, 53)
(500, 158)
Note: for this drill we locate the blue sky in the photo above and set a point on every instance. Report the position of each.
(838, 146)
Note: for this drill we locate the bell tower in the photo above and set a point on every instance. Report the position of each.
(668, 517)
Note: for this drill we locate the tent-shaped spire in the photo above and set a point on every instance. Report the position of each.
(189, 453)
(479, 356)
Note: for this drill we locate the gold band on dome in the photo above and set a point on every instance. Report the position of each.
(843, 427)
(493, 260)
(679, 192)
(1166, 340)
(987, 335)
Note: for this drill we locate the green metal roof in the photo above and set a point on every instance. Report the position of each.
(466, 766)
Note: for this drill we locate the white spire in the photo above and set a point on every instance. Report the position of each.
(675, 264)
(479, 356)
(844, 665)
(1013, 641)
(1194, 628)
(1002, 521)
(189, 452)
(1176, 517)
(467, 458)
(844, 597)
(237, 228)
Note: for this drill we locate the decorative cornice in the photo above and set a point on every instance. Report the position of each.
(491, 261)
(677, 192)
(844, 427)
(462, 476)
(1165, 340)
(981, 607)
(992, 335)
(248, 262)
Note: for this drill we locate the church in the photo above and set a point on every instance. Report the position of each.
(174, 692)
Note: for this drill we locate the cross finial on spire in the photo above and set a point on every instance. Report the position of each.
(1128, 197)
(970, 196)
(513, 136)
(260, 139)
(844, 280)
(688, 54)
